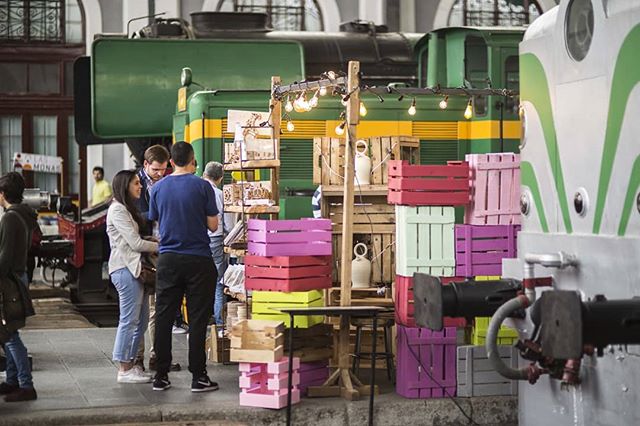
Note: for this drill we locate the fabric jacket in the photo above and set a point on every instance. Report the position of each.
(124, 239)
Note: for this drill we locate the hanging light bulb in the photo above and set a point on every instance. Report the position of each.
(289, 105)
(290, 126)
(299, 105)
(340, 128)
(468, 112)
(412, 108)
(363, 109)
(322, 91)
(313, 102)
(443, 103)
(331, 75)
(344, 101)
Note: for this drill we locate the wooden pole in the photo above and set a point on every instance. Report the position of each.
(275, 111)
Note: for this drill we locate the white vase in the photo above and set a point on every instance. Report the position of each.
(362, 163)
(360, 268)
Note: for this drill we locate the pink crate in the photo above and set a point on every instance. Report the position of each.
(420, 185)
(480, 249)
(287, 273)
(313, 374)
(404, 302)
(305, 237)
(265, 384)
(437, 353)
(495, 189)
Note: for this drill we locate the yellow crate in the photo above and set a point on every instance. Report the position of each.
(487, 277)
(506, 335)
(298, 297)
(265, 305)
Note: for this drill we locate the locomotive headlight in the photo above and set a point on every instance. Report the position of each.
(468, 112)
(185, 77)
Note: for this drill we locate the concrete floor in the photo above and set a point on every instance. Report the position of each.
(75, 380)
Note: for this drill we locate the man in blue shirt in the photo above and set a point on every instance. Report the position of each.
(185, 208)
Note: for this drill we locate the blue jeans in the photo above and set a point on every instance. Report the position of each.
(216, 244)
(134, 315)
(18, 367)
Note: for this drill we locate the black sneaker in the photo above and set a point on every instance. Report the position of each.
(203, 384)
(161, 383)
(7, 388)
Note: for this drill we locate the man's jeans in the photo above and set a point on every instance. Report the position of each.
(18, 368)
(216, 244)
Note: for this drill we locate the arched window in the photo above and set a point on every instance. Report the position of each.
(283, 15)
(37, 21)
(494, 13)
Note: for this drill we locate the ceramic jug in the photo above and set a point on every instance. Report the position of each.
(362, 163)
(360, 267)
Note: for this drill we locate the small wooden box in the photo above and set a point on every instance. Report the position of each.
(476, 376)
(436, 351)
(287, 273)
(495, 189)
(305, 237)
(218, 348)
(257, 341)
(480, 249)
(425, 241)
(328, 157)
(247, 193)
(413, 185)
(266, 303)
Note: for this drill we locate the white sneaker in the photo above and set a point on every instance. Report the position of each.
(142, 373)
(178, 330)
(133, 375)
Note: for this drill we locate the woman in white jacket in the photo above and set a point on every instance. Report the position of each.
(123, 228)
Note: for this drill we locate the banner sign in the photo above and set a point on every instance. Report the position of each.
(36, 163)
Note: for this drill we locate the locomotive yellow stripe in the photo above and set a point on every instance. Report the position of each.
(425, 130)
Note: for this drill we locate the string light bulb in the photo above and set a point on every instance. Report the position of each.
(289, 105)
(412, 109)
(322, 91)
(444, 103)
(290, 126)
(344, 101)
(331, 75)
(300, 104)
(340, 128)
(468, 112)
(363, 109)
(313, 102)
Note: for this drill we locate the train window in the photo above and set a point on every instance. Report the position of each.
(494, 13)
(579, 28)
(476, 71)
(512, 82)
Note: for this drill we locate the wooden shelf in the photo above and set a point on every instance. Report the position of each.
(235, 252)
(252, 209)
(370, 190)
(252, 164)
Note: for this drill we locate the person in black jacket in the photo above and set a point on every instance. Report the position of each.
(16, 227)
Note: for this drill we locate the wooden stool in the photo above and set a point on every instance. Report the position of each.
(386, 324)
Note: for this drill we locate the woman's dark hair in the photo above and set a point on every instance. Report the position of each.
(12, 187)
(120, 184)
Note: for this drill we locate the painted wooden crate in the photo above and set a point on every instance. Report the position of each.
(287, 273)
(328, 157)
(265, 385)
(436, 351)
(480, 249)
(381, 251)
(371, 212)
(313, 374)
(305, 237)
(425, 241)
(404, 311)
(476, 376)
(429, 185)
(265, 305)
(495, 189)
(506, 335)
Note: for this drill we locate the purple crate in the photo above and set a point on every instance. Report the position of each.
(312, 374)
(481, 248)
(437, 353)
(305, 237)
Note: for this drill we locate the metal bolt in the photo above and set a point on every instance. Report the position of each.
(625, 388)
(525, 204)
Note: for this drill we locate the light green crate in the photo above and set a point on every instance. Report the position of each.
(425, 240)
(506, 335)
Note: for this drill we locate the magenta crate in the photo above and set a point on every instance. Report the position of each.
(305, 237)
(495, 189)
(480, 249)
(313, 374)
(265, 384)
(436, 351)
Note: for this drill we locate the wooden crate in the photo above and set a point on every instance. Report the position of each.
(257, 341)
(495, 189)
(404, 309)
(328, 157)
(380, 246)
(436, 351)
(480, 249)
(366, 346)
(218, 348)
(311, 344)
(287, 273)
(476, 376)
(305, 237)
(265, 305)
(425, 241)
(265, 385)
(415, 185)
(506, 335)
(371, 212)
